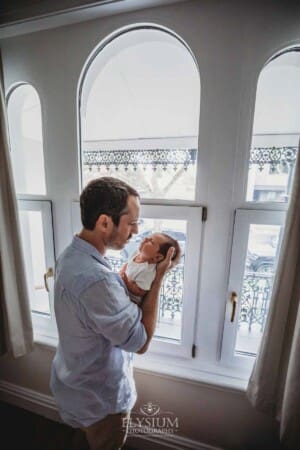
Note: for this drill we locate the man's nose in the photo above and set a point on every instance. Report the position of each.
(135, 228)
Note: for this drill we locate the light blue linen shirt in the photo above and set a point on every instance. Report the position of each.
(98, 328)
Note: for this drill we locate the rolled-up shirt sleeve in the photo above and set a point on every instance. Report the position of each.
(109, 312)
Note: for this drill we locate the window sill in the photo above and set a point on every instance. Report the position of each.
(214, 377)
(49, 342)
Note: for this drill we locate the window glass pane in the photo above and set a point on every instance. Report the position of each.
(26, 140)
(169, 323)
(263, 247)
(276, 130)
(139, 122)
(35, 262)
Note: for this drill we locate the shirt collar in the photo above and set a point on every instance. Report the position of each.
(88, 248)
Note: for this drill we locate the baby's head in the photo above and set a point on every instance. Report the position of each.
(155, 247)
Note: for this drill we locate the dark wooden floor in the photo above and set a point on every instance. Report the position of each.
(21, 429)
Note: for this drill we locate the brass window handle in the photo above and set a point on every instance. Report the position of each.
(47, 275)
(234, 300)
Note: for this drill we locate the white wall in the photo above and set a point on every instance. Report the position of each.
(231, 41)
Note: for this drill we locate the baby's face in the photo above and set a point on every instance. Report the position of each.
(150, 247)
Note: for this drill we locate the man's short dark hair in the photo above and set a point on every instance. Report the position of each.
(105, 195)
(170, 242)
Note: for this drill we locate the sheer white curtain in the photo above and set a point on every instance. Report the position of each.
(16, 334)
(274, 385)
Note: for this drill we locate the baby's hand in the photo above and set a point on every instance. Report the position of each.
(123, 270)
(124, 277)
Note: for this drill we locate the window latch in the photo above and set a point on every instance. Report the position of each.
(47, 275)
(234, 300)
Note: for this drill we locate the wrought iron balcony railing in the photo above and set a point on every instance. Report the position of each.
(179, 157)
(274, 156)
(175, 157)
(255, 299)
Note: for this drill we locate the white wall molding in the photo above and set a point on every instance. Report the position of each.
(167, 442)
(29, 399)
(44, 405)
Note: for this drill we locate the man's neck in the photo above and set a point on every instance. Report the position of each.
(90, 237)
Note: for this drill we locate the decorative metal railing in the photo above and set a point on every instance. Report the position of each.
(171, 295)
(175, 157)
(180, 157)
(275, 156)
(116, 263)
(255, 298)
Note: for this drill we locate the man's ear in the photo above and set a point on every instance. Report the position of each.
(104, 222)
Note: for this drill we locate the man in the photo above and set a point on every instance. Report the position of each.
(98, 326)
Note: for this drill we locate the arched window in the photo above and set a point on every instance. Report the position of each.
(276, 129)
(258, 232)
(35, 214)
(139, 114)
(26, 140)
(139, 101)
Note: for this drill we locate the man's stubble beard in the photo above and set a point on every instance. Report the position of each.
(112, 241)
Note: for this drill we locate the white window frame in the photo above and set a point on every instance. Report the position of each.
(188, 210)
(193, 217)
(44, 326)
(241, 363)
(243, 219)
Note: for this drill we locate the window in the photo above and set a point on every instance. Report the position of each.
(256, 245)
(26, 140)
(35, 215)
(258, 231)
(139, 123)
(38, 249)
(276, 130)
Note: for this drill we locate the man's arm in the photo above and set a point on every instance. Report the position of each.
(134, 288)
(149, 306)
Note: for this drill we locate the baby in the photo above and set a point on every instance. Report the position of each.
(139, 273)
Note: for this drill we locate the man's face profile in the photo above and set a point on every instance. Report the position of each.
(128, 225)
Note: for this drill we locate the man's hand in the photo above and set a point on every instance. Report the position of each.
(167, 264)
(150, 303)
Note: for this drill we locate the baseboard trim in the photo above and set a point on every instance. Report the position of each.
(45, 406)
(167, 442)
(29, 399)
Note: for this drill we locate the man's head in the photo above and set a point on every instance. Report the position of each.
(110, 210)
(155, 247)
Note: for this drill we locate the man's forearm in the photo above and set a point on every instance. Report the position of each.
(150, 310)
